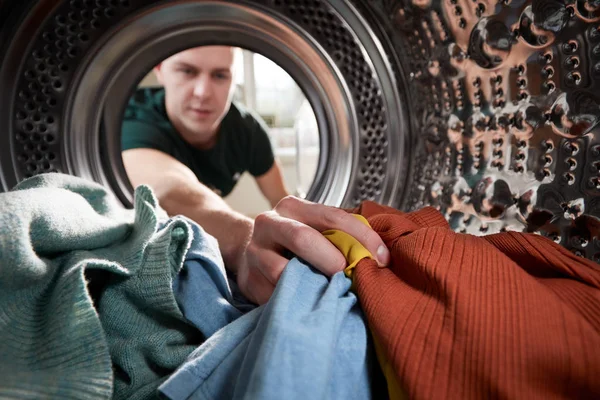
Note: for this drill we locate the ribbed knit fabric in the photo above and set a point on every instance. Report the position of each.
(509, 315)
(53, 343)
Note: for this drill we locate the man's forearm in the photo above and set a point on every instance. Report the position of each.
(272, 185)
(231, 229)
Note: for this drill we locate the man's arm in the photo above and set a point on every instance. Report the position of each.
(253, 250)
(271, 184)
(180, 193)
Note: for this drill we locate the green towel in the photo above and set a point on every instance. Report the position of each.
(86, 302)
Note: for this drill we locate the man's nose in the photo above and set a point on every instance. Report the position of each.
(203, 86)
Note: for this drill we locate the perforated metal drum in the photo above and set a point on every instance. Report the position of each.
(486, 110)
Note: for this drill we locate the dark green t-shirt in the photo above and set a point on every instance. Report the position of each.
(242, 142)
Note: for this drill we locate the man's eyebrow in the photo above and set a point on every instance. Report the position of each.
(184, 64)
(221, 69)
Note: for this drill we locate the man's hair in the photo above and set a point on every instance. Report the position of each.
(237, 52)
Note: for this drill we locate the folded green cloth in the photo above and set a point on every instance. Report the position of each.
(86, 302)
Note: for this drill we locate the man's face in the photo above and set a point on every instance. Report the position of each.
(198, 86)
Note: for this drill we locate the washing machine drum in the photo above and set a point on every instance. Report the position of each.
(486, 110)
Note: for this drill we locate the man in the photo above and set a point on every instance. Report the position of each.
(192, 118)
(197, 101)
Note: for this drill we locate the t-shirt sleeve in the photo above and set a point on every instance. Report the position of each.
(262, 156)
(138, 135)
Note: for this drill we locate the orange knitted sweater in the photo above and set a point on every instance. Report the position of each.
(508, 315)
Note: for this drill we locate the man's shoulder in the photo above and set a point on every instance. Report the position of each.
(144, 124)
(146, 105)
(240, 115)
(147, 96)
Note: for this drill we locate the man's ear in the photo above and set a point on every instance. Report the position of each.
(158, 73)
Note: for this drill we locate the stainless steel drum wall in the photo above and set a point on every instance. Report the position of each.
(506, 113)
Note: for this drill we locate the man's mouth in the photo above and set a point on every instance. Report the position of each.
(201, 112)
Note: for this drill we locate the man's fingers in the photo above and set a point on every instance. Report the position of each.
(277, 232)
(259, 286)
(321, 217)
(296, 225)
(270, 263)
(252, 282)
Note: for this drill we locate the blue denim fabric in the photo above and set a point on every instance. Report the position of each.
(309, 341)
(206, 296)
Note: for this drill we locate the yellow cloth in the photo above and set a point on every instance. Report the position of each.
(351, 248)
(395, 392)
(354, 251)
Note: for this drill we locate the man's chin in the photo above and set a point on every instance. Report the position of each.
(201, 129)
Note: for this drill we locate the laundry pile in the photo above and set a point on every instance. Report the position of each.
(101, 302)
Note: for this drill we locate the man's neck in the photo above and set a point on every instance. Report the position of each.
(199, 143)
(206, 145)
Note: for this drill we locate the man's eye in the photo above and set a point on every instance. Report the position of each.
(221, 76)
(186, 71)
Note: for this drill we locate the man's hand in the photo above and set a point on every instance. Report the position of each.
(296, 225)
